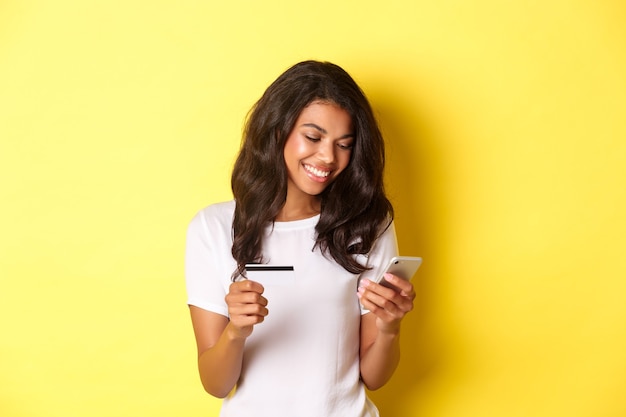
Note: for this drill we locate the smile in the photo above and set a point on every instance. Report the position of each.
(316, 172)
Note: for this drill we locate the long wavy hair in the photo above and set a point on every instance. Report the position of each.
(354, 207)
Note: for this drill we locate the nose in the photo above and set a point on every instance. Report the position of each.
(326, 152)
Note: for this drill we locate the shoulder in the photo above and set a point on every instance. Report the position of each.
(387, 229)
(223, 209)
(218, 216)
(387, 240)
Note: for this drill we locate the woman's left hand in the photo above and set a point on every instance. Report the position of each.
(389, 305)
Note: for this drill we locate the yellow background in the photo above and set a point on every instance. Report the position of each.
(505, 123)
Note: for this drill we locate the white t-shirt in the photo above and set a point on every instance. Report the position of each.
(303, 360)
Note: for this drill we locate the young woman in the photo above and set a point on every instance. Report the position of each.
(308, 194)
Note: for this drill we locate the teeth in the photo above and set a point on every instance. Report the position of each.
(316, 172)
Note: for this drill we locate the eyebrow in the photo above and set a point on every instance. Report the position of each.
(321, 129)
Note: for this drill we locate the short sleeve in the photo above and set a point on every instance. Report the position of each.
(385, 248)
(207, 257)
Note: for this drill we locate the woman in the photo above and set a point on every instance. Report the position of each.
(308, 194)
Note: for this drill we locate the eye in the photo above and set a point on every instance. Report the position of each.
(312, 138)
(345, 146)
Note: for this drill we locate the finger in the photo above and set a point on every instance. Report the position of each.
(245, 292)
(246, 285)
(385, 298)
(242, 320)
(246, 323)
(377, 288)
(245, 298)
(248, 310)
(384, 318)
(376, 302)
(405, 287)
(369, 305)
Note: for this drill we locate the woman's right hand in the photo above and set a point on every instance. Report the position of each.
(221, 339)
(246, 307)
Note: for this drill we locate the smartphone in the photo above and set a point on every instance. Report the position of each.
(401, 266)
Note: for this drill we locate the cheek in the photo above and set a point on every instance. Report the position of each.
(296, 149)
(288, 151)
(345, 159)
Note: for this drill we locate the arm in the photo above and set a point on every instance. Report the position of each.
(380, 329)
(221, 341)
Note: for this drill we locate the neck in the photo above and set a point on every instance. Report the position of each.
(298, 210)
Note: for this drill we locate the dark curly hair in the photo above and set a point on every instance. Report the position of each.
(354, 208)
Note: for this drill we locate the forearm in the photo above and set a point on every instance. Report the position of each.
(380, 360)
(220, 365)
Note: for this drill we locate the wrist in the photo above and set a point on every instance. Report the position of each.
(391, 332)
(235, 334)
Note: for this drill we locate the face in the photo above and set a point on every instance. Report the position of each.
(318, 149)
